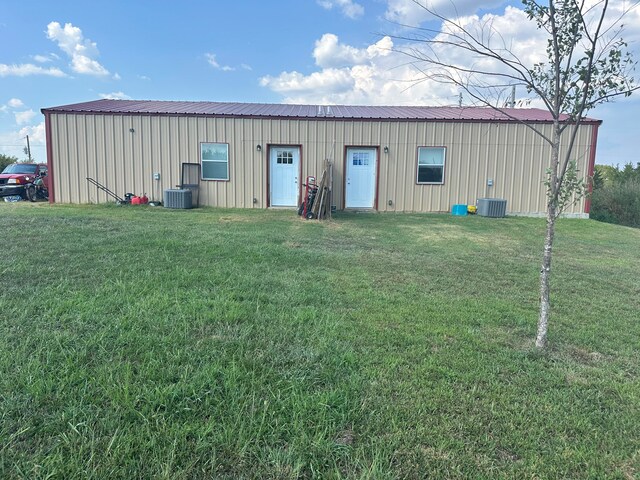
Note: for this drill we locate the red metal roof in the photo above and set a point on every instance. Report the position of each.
(266, 110)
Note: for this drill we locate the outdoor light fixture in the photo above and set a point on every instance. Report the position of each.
(259, 147)
(390, 202)
(255, 200)
(386, 149)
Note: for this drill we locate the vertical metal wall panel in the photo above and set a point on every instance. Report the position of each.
(100, 171)
(103, 147)
(78, 124)
(147, 158)
(60, 159)
(236, 194)
(91, 158)
(56, 147)
(70, 149)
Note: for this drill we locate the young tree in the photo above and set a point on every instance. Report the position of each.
(586, 64)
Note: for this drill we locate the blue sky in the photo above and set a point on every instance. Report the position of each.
(301, 51)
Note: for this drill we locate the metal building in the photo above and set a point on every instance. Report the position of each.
(409, 159)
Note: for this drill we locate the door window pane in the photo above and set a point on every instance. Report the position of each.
(284, 157)
(360, 158)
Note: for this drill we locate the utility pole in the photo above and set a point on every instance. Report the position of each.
(460, 100)
(28, 149)
(513, 96)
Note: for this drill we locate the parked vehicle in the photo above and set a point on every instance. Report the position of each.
(15, 177)
(37, 190)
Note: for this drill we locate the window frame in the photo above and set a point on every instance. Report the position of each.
(228, 162)
(444, 164)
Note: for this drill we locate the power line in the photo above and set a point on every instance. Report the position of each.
(32, 146)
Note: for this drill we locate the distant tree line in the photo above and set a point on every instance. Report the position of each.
(616, 194)
(9, 159)
(6, 160)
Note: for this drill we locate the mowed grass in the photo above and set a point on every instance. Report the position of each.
(151, 343)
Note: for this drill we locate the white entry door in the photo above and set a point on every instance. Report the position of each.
(360, 189)
(284, 168)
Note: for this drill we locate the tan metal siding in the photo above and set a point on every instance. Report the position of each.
(104, 148)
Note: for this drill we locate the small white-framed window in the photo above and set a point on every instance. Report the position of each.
(284, 157)
(431, 165)
(360, 158)
(215, 161)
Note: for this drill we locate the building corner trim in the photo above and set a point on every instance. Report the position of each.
(50, 170)
(592, 165)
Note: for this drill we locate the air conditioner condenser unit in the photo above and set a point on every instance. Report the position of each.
(492, 207)
(177, 198)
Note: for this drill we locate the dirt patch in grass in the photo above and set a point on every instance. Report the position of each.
(231, 218)
(586, 357)
(444, 233)
(437, 232)
(290, 244)
(575, 378)
(346, 437)
(506, 456)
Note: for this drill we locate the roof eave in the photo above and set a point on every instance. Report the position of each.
(589, 121)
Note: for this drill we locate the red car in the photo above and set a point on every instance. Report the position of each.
(15, 176)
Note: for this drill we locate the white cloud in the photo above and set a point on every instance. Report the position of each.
(81, 51)
(36, 133)
(26, 69)
(329, 52)
(143, 77)
(12, 142)
(244, 66)
(49, 57)
(410, 12)
(115, 96)
(349, 75)
(295, 85)
(349, 8)
(24, 117)
(15, 103)
(381, 74)
(212, 60)
(116, 76)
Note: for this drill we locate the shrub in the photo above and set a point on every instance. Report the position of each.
(618, 203)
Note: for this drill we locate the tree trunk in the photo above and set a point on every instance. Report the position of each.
(545, 279)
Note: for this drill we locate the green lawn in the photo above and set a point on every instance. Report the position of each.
(149, 343)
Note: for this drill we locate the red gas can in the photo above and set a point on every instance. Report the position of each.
(135, 200)
(144, 199)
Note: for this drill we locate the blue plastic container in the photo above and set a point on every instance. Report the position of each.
(459, 210)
